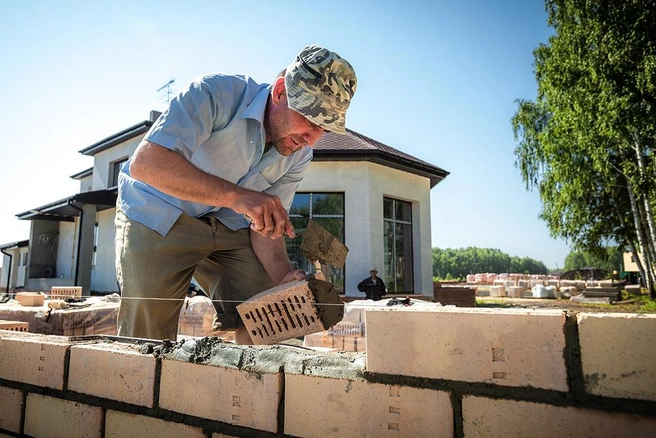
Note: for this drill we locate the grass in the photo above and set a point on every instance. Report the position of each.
(643, 302)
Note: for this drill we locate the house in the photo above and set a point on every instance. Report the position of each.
(14, 265)
(373, 197)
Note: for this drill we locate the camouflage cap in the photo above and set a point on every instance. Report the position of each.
(320, 85)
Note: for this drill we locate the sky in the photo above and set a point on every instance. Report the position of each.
(437, 79)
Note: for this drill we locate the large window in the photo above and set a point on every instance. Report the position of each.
(397, 235)
(327, 209)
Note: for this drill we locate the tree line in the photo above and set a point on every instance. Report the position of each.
(453, 263)
(456, 264)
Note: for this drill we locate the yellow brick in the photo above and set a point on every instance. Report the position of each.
(52, 417)
(37, 360)
(122, 424)
(485, 417)
(617, 354)
(504, 347)
(325, 407)
(113, 371)
(224, 394)
(12, 409)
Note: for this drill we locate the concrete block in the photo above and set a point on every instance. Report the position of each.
(325, 407)
(242, 398)
(618, 355)
(486, 417)
(37, 360)
(114, 371)
(53, 417)
(501, 346)
(12, 409)
(122, 424)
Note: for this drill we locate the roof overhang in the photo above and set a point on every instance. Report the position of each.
(120, 137)
(65, 210)
(14, 245)
(433, 173)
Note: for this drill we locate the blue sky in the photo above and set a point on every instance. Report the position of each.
(438, 79)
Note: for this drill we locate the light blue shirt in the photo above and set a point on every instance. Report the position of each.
(217, 124)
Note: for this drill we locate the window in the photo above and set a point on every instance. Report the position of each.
(397, 247)
(23, 259)
(115, 170)
(327, 209)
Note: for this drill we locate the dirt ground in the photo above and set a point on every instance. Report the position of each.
(627, 306)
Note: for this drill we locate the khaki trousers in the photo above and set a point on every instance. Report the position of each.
(154, 273)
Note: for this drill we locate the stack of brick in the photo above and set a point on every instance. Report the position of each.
(452, 295)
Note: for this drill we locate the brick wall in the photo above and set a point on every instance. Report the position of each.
(434, 373)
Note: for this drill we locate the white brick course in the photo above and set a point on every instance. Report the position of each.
(50, 417)
(236, 397)
(122, 424)
(325, 407)
(500, 346)
(113, 371)
(618, 354)
(37, 360)
(486, 417)
(11, 412)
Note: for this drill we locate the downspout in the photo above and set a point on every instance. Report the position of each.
(79, 239)
(9, 269)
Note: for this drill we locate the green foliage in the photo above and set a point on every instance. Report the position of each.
(458, 263)
(611, 260)
(587, 142)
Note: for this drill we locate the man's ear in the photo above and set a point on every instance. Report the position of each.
(279, 91)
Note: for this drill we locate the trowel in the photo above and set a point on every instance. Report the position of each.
(322, 249)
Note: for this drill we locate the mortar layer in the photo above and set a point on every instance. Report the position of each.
(264, 359)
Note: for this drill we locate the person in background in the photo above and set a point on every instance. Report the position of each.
(372, 286)
(206, 194)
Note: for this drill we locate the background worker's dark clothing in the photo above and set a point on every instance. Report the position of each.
(372, 291)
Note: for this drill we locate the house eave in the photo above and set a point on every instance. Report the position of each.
(119, 137)
(434, 173)
(65, 210)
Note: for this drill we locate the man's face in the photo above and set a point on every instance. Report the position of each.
(288, 130)
(373, 273)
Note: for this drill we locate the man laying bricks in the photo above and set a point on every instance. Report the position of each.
(207, 192)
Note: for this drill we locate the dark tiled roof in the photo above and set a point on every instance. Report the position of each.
(351, 146)
(354, 146)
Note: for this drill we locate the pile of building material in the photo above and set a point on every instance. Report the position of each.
(449, 294)
(599, 294)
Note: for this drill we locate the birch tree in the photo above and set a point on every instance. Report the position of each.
(586, 143)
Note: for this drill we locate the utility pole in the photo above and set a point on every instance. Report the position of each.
(166, 90)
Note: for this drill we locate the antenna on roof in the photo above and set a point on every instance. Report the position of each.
(165, 90)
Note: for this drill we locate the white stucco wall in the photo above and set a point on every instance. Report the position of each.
(102, 166)
(67, 250)
(86, 184)
(103, 273)
(364, 186)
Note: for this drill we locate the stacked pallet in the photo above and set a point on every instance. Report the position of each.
(611, 292)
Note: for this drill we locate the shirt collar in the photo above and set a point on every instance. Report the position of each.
(255, 109)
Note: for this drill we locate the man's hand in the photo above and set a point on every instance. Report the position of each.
(296, 275)
(267, 215)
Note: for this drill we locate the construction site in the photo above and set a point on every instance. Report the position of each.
(395, 367)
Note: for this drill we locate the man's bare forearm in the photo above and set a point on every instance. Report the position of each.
(272, 253)
(171, 173)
